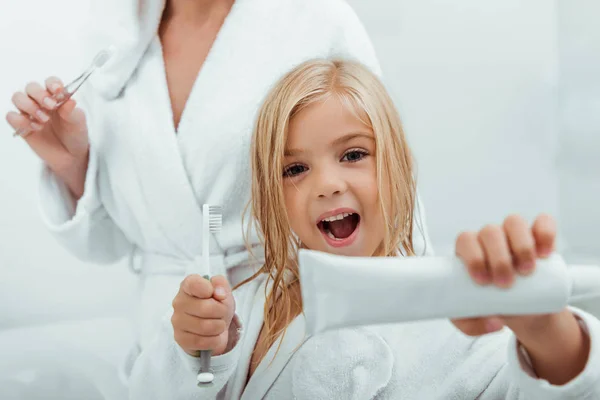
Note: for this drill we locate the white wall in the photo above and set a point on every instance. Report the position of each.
(579, 157)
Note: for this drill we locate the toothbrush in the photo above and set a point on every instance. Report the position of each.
(212, 221)
(99, 61)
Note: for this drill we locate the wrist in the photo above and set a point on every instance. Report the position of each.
(540, 331)
(73, 175)
(556, 344)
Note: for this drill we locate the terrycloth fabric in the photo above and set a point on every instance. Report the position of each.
(420, 360)
(146, 183)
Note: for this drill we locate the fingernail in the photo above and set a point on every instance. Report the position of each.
(21, 132)
(493, 325)
(36, 126)
(55, 87)
(482, 278)
(42, 116)
(220, 292)
(527, 267)
(49, 102)
(544, 251)
(503, 280)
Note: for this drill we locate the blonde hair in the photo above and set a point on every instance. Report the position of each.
(365, 96)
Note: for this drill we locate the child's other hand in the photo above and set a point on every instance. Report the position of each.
(203, 311)
(495, 255)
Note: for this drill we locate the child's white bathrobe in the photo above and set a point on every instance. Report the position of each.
(146, 183)
(421, 361)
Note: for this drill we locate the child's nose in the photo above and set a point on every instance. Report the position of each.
(330, 184)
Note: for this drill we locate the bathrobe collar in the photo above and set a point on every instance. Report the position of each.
(131, 29)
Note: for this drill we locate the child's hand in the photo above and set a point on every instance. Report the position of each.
(495, 255)
(557, 347)
(203, 311)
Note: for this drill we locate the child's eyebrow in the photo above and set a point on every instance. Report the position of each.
(346, 138)
(353, 135)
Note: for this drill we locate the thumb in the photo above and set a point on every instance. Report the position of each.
(221, 287)
(478, 326)
(65, 110)
(72, 115)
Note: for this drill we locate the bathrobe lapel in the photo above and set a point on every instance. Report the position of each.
(265, 375)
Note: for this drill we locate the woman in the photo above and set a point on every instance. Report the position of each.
(166, 128)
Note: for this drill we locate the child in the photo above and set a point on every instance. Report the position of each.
(332, 172)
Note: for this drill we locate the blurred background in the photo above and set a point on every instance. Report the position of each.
(500, 100)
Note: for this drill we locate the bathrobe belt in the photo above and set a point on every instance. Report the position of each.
(147, 263)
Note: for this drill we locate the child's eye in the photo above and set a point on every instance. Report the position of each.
(354, 155)
(293, 170)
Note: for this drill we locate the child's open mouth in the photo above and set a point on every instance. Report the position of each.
(340, 230)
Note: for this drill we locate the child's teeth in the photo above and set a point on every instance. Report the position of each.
(337, 217)
(331, 236)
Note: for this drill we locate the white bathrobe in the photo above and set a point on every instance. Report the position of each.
(422, 360)
(146, 182)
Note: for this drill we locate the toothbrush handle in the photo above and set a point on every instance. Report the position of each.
(205, 355)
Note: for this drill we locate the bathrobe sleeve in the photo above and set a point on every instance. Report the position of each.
(517, 380)
(164, 371)
(83, 227)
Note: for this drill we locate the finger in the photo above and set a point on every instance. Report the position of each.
(478, 326)
(497, 254)
(40, 95)
(203, 308)
(55, 87)
(22, 124)
(221, 287)
(47, 147)
(196, 286)
(469, 250)
(65, 110)
(544, 233)
(191, 342)
(521, 242)
(29, 107)
(198, 326)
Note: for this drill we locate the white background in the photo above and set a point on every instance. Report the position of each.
(500, 100)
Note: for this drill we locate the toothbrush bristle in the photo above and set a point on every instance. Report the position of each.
(215, 218)
(103, 57)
